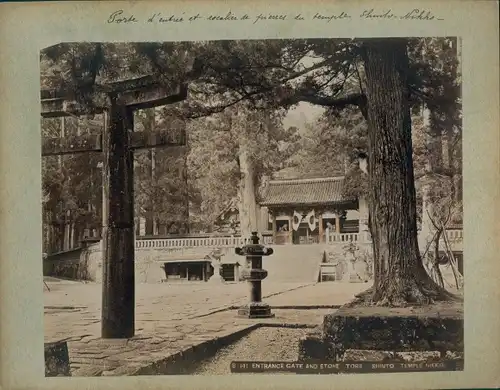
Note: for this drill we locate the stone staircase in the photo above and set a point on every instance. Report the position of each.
(294, 263)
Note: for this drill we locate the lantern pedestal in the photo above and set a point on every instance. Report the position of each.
(255, 310)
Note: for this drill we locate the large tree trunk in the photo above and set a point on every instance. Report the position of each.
(400, 277)
(248, 202)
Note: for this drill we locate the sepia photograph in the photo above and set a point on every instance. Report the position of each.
(284, 206)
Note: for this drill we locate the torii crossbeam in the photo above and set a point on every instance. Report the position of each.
(117, 101)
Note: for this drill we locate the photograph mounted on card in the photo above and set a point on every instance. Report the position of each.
(210, 191)
(165, 164)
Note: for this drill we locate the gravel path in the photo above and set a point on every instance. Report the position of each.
(263, 344)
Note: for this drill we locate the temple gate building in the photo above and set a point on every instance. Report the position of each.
(308, 211)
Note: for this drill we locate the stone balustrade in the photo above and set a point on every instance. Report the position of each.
(455, 238)
(197, 242)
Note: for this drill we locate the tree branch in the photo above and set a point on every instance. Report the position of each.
(207, 111)
(355, 99)
(197, 71)
(432, 219)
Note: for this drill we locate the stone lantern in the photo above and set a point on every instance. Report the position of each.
(254, 276)
(216, 260)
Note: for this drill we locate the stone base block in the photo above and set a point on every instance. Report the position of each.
(378, 334)
(57, 359)
(431, 328)
(255, 310)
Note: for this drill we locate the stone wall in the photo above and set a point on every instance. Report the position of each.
(78, 264)
(147, 264)
(86, 263)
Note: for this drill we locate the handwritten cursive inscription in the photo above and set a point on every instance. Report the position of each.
(329, 18)
(420, 14)
(372, 14)
(159, 18)
(416, 14)
(263, 17)
(228, 16)
(120, 17)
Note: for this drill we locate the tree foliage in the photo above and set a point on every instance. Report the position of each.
(71, 185)
(216, 144)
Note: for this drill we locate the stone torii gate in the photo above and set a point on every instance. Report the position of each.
(118, 101)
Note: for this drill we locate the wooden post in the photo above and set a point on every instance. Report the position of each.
(118, 300)
(337, 224)
(320, 228)
(290, 230)
(105, 185)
